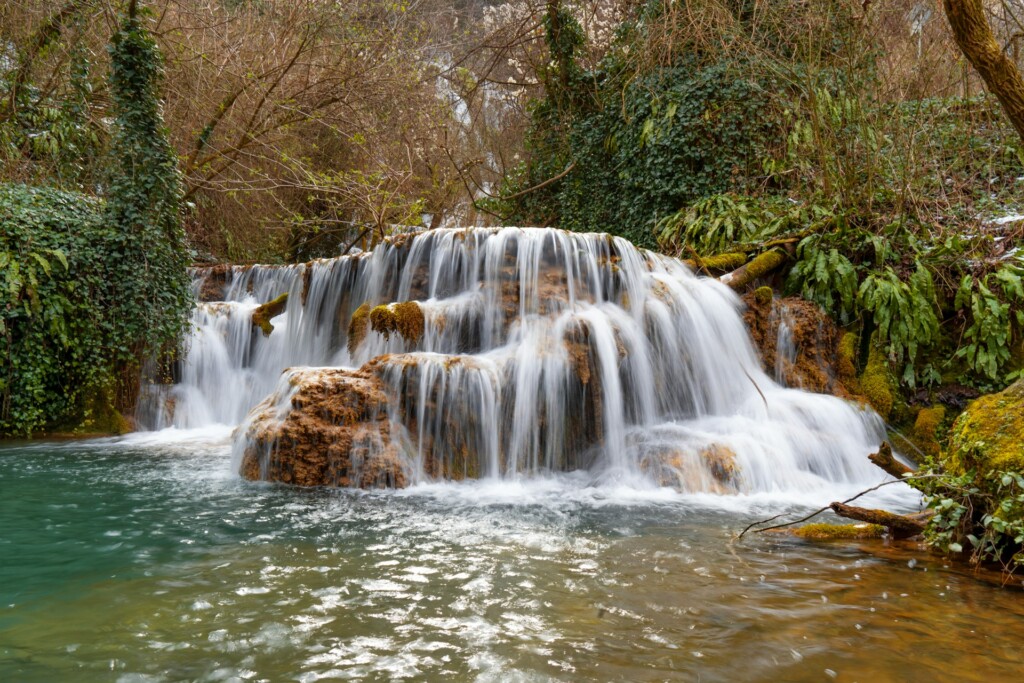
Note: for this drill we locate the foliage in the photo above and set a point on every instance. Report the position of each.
(714, 224)
(51, 132)
(983, 518)
(144, 202)
(903, 311)
(55, 306)
(91, 288)
(663, 141)
(994, 303)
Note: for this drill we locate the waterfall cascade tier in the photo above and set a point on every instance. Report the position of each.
(502, 353)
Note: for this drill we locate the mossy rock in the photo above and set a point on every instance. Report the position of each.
(273, 308)
(405, 318)
(875, 385)
(839, 532)
(358, 327)
(989, 436)
(926, 429)
(847, 363)
(764, 295)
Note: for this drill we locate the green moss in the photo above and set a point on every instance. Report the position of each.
(926, 429)
(989, 435)
(765, 263)
(723, 262)
(357, 327)
(875, 385)
(848, 357)
(404, 318)
(764, 295)
(262, 315)
(836, 532)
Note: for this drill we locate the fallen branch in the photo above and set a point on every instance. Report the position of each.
(899, 526)
(884, 459)
(824, 509)
(763, 264)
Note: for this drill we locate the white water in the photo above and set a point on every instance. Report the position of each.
(670, 359)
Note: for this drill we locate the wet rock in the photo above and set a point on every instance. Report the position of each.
(710, 468)
(333, 432)
(816, 365)
(214, 282)
(405, 319)
(989, 435)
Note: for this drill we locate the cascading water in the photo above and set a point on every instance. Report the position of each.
(538, 350)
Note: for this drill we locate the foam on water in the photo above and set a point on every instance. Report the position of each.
(543, 352)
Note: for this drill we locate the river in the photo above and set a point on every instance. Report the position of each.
(147, 559)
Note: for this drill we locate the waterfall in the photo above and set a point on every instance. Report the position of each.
(538, 350)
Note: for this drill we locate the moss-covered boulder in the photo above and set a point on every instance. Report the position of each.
(989, 435)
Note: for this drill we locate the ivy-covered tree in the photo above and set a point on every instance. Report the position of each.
(152, 295)
(90, 288)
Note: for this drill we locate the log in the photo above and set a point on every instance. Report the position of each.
(718, 263)
(899, 526)
(763, 264)
(262, 315)
(884, 459)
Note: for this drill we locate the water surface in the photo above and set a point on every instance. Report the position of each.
(146, 560)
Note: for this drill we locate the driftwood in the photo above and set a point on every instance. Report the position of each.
(884, 459)
(899, 526)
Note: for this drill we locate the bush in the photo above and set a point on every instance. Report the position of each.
(55, 324)
(91, 288)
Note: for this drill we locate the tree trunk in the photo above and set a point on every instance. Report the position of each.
(975, 38)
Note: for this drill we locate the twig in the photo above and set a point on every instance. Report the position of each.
(827, 507)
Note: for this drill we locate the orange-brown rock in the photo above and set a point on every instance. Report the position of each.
(214, 281)
(334, 433)
(814, 335)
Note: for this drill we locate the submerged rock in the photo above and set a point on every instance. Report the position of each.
(989, 435)
(329, 429)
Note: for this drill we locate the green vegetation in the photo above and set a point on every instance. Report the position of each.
(709, 129)
(92, 288)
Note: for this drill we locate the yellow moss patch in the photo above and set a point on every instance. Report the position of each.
(848, 357)
(357, 327)
(262, 315)
(763, 295)
(404, 318)
(721, 263)
(874, 383)
(926, 429)
(989, 435)
(839, 532)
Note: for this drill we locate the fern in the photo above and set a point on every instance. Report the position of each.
(904, 313)
(994, 304)
(714, 224)
(825, 277)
